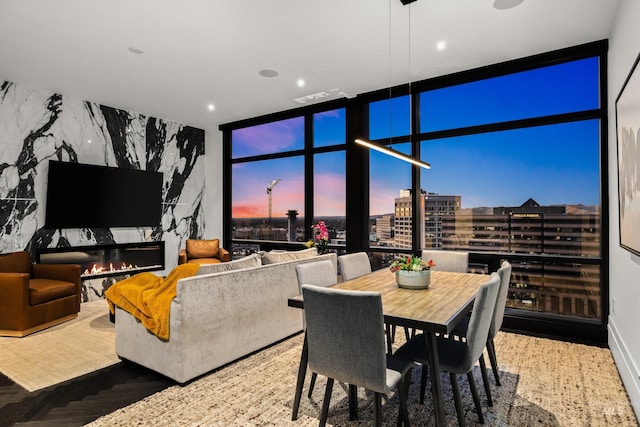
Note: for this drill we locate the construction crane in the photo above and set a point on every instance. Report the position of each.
(269, 190)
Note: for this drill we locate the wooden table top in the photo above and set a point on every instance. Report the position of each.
(437, 309)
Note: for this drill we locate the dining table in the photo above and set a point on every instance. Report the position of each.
(435, 310)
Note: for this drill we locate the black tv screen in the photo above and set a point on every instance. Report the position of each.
(85, 196)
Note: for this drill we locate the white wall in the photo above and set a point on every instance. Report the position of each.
(213, 184)
(624, 286)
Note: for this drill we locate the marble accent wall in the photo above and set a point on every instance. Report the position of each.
(37, 126)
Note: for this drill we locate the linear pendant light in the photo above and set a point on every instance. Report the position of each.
(394, 153)
(382, 148)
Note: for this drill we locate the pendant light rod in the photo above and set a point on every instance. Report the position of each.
(393, 153)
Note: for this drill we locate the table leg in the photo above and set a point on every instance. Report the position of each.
(436, 383)
(353, 402)
(302, 372)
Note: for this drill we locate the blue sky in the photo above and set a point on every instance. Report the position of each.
(555, 164)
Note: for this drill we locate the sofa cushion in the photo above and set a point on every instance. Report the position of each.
(253, 260)
(202, 248)
(213, 268)
(16, 262)
(45, 290)
(279, 256)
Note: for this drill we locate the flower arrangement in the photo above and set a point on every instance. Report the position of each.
(320, 237)
(411, 263)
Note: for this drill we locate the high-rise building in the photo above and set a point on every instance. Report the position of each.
(384, 229)
(437, 207)
(403, 219)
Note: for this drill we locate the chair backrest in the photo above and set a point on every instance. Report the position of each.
(454, 261)
(198, 248)
(505, 279)
(345, 336)
(319, 273)
(354, 265)
(480, 321)
(15, 262)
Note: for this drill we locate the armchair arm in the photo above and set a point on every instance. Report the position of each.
(224, 255)
(14, 300)
(182, 256)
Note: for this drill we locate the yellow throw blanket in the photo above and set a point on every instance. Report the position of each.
(148, 297)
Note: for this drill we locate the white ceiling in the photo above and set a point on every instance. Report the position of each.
(198, 52)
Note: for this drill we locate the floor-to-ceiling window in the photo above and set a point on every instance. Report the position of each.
(518, 173)
(287, 174)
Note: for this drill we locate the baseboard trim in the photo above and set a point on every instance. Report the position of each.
(626, 366)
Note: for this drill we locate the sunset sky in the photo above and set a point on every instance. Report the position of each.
(555, 164)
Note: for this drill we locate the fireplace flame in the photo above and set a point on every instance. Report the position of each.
(98, 269)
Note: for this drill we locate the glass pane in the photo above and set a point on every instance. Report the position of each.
(533, 190)
(568, 289)
(390, 118)
(556, 89)
(252, 203)
(329, 187)
(552, 165)
(329, 128)
(390, 199)
(275, 137)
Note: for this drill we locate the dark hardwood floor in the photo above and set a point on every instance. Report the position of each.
(78, 401)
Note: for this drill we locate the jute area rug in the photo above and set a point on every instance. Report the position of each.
(545, 383)
(62, 352)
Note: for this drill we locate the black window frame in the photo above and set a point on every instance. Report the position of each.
(357, 177)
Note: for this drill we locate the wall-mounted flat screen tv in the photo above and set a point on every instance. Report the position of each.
(90, 196)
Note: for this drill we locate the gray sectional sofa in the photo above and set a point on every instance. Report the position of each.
(220, 316)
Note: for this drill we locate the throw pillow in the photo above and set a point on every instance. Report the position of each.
(202, 248)
(275, 257)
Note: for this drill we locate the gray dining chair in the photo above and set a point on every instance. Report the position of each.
(459, 357)
(346, 342)
(454, 261)
(496, 322)
(319, 273)
(354, 265)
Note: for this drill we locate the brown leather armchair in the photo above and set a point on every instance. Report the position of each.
(203, 252)
(36, 296)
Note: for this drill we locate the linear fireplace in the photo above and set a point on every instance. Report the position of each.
(107, 260)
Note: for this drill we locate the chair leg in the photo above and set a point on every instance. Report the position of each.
(312, 383)
(476, 397)
(353, 402)
(325, 402)
(456, 398)
(403, 392)
(423, 382)
(485, 380)
(390, 337)
(491, 349)
(377, 409)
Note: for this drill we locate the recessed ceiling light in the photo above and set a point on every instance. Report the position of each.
(211, 107)
(441, 45)
(135, 50)
(300, 83)
(268, 73)
(89, 141)
(506, 4)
